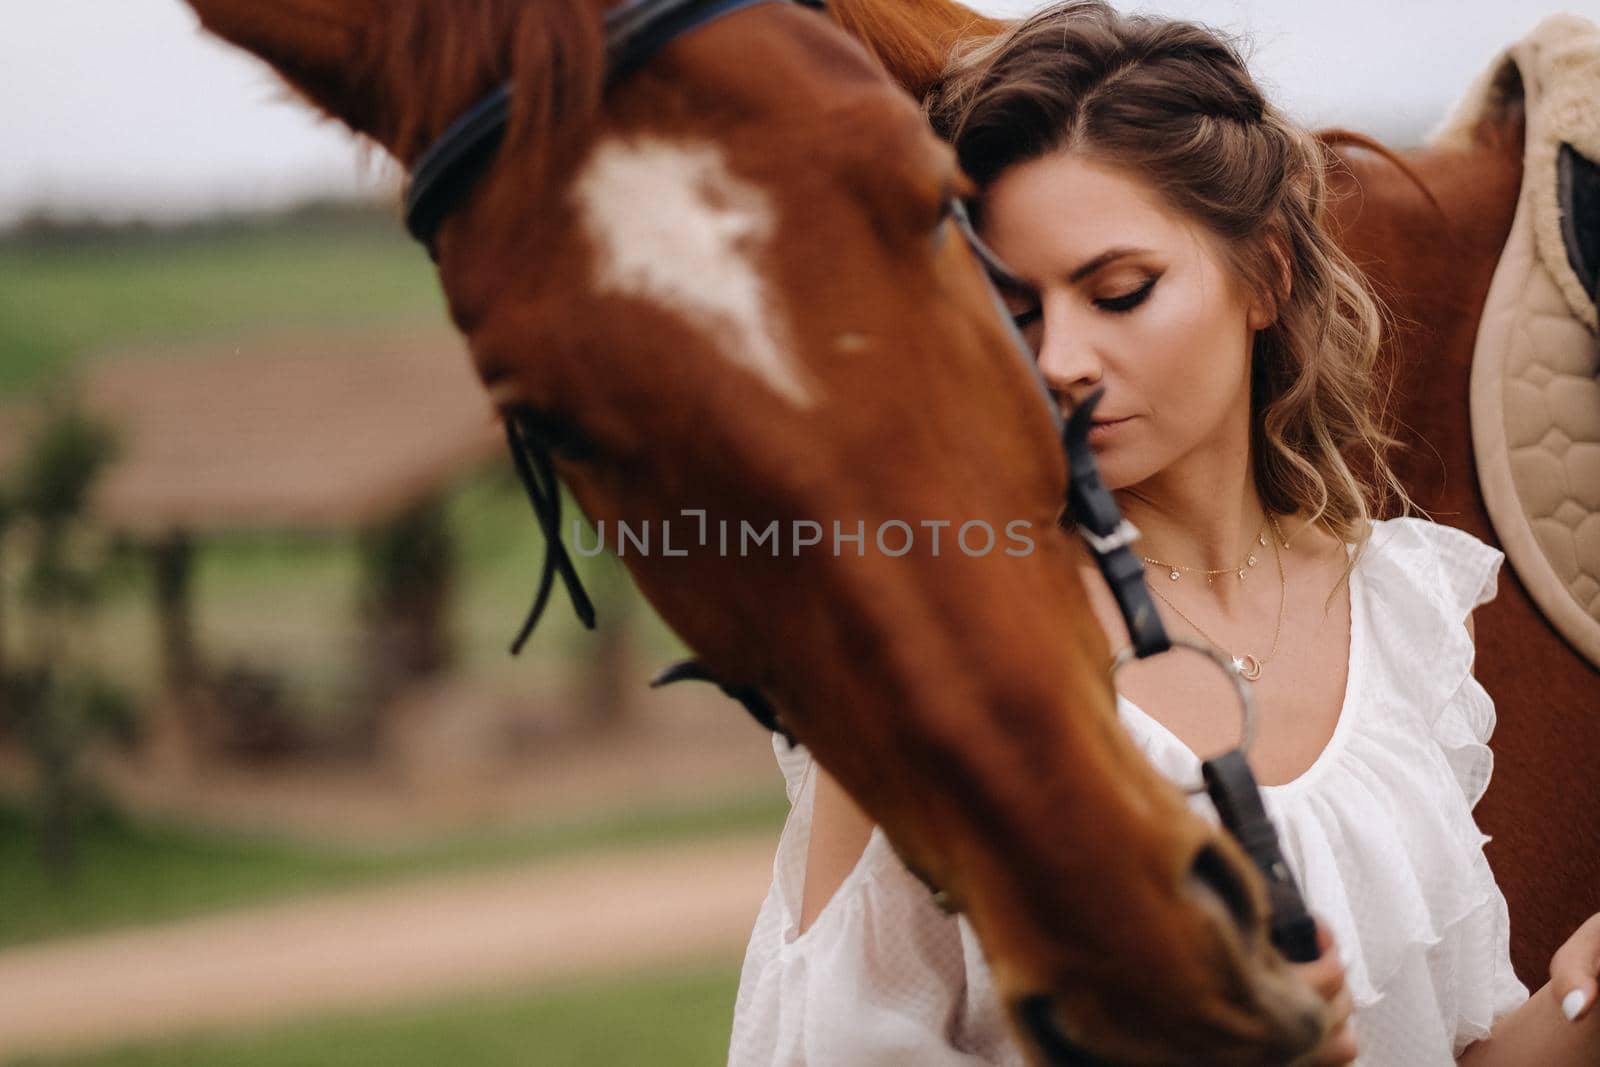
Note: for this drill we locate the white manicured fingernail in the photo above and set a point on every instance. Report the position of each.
(1574, 1003)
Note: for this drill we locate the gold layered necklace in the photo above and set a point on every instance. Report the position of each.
(1178, 570)
(1248, 664)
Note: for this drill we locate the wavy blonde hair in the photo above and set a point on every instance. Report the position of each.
(1174, 102)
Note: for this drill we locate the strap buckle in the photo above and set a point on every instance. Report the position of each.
(1121, 536)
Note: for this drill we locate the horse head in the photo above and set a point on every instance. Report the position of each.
(729, 294)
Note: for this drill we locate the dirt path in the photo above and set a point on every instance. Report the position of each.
(554, 920)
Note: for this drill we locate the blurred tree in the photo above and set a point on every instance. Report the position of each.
(181, 728)
(7, 512)
(611, 672)
(61, 703)
(408, 570)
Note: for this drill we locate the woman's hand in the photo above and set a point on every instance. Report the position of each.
(1558, 1025)
(1326, 976)
(1574, 969)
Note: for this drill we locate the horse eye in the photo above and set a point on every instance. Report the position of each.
(559, 434)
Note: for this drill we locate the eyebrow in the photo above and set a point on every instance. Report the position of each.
(1105, 258)
(1011, 283)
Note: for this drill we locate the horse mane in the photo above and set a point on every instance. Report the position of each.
(1337, 137)
(435, 58)
(912, 39)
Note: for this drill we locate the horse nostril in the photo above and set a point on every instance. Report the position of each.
(1215, 874)
(1038, 1018)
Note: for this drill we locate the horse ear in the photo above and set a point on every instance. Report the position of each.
(318, 46)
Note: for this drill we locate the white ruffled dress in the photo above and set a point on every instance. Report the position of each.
(1379, 832)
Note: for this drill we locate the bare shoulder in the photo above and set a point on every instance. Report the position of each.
(1314, 542)
(839, 834)
(1318, 561)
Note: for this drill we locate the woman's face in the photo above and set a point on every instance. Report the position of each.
(1127, 294)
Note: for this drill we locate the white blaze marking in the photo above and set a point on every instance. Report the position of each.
(671, 224)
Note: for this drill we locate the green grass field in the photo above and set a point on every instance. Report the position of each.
(679, 1020)
(72, 296)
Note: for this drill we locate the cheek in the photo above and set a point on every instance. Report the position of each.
(1158, 351)
(1191, 347)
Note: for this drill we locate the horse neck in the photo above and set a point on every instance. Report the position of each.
(1427, 226)
(912, 39)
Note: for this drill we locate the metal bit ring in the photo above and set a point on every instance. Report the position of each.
(1248, 715)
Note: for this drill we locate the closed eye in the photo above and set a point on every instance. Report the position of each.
(1116, 305)
(1119, 305)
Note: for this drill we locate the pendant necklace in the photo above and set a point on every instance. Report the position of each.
(1248, 665)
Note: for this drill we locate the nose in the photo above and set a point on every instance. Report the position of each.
(1295, 1028)
(1039, 1022)
(1287, 1021)
(1067, 359)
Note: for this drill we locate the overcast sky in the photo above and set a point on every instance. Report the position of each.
(122, 107)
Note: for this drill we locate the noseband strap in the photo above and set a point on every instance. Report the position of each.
(1110, 537)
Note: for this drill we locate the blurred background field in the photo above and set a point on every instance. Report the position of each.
(677, 1020)
(80, 288)
(482, 763)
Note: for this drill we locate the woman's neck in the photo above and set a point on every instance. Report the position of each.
(1195, 527)
(1203, 512)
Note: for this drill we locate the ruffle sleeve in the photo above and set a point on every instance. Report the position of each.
(1433, 577)
(1389, 846)
(881, 977)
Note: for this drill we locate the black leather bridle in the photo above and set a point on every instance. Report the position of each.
(635, 31)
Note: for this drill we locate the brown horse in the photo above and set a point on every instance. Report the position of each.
(1428, 227)
(728, 287)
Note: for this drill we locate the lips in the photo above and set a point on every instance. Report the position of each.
(1103, 430)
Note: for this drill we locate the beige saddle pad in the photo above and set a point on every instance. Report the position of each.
(1535, 390)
